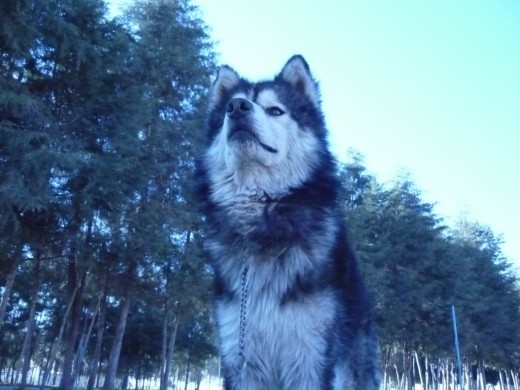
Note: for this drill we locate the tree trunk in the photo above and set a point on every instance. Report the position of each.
(419, 369)
(501, 379)
(113, 360)
(435, 376)
(481, 376)
(84, 339)
(26, 348)
(54, 347)
(99, 338)
(73, 324)
(8, 288)
(445, 375)
(408, 368)
(164, 346)
(169, 354)
(124, 382)
(187, 376)
(426, 373)
(515, 378)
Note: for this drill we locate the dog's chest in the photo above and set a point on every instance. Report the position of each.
(274, 329)
(246, 210)
(246, 213)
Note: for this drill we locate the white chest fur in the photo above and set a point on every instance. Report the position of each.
(279, 336)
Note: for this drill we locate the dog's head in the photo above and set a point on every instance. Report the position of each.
(268, 135)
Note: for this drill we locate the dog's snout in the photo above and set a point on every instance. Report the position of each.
(238, 107)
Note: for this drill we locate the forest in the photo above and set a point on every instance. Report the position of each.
(104, 282)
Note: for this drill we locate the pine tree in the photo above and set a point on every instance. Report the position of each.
(173, 63)
(488, 296)
(417, 268)
(99, 125)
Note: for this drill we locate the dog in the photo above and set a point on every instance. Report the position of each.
(291, 308)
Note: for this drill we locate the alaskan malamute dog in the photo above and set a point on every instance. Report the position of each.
(290, 306)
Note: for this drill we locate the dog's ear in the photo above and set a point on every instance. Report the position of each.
(227, 79)
(296, 71)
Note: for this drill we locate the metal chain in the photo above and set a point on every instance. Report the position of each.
(239, 362)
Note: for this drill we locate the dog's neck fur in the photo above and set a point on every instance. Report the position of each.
(245, 185)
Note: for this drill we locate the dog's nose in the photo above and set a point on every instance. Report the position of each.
(238, 107)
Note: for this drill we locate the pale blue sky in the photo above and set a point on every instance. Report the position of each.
(432, 87)
(429, 86)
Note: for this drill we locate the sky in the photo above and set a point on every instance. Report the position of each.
(428, 87)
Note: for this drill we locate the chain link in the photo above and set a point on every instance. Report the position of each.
(239, 362)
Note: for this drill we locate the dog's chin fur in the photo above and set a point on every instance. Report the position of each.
(268, 190)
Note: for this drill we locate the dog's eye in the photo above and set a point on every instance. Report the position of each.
(274, 111)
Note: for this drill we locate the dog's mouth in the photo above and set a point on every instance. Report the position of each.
(241, 134)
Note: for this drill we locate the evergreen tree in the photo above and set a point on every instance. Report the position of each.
(99, 125)
(171, 58)
(488, 296)
(417, 269)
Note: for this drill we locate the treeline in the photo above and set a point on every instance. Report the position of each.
(417, 269)
(103, 277)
